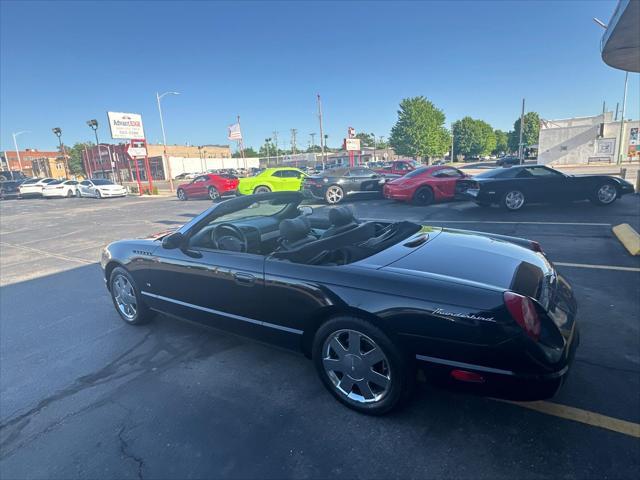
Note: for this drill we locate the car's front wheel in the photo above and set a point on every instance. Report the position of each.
(513, 200)
(334, 194)
(98, 194)
(182, 195)
(605, 194)
(361, 366)
(127, 298)
(69, 193)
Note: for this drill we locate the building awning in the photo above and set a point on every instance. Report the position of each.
(620, 45)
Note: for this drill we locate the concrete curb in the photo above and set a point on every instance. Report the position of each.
(628, 237)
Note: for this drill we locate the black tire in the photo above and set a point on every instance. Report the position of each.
(78, 194)
(604, 194)
(98, 195)
(334, 195)
(181, 194)
(214, 194)
(423, 196)
(513, 200)
(142, 314)
(395, 367)
(69, 193)
(261, 189)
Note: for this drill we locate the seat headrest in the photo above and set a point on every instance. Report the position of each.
(294, 229)
(339, 216)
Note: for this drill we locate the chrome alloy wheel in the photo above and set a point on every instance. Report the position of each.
(356, 366)
(213, 193)
(125, 297)
(514, 200)
(334, 194)
(607, 193)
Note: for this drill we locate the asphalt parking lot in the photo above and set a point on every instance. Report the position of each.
(82, 395)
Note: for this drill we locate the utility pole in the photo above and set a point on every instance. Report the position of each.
(624, 106)
(520, 149)
(452, 137)
(323, 140)
(275, 141)
(373, 157)
(266, 144)
(294, 132)
(617, 107)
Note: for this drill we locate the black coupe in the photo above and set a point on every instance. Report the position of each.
(336, 184)
(514, 187)
(368, 301)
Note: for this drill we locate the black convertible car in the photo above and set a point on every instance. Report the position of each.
(368, 301)
(514, 187)
(336, 184)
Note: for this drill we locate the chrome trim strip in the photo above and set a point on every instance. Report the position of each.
(224, 314)
(469, 366)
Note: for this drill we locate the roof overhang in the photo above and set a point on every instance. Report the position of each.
(620, 45)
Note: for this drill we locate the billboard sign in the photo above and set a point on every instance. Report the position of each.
(125, 125)
(351, 144)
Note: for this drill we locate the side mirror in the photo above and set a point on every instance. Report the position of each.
(305, 210)
(172, 241)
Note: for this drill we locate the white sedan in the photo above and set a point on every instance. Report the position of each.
(34, 186)
(100, 188)
(60, 188)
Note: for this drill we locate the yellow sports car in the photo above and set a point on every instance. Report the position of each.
(272, 180)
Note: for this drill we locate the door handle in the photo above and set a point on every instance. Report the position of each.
(245, 279)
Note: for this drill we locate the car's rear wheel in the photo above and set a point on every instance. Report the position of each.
(78, 194)
(334, 194)
(127, 298)
(513, 200)
(69, 193)
(262, 189)
(213, 193)
(605, 194)
(361, 366)
(423, 196)
(182, 195)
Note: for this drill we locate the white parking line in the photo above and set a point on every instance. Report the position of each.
(598, 267)
(47, 254)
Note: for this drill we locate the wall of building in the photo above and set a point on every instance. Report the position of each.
(582, 140)
(190, 151)
(197, 165)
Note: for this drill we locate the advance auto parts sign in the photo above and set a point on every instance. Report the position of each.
(125, 125)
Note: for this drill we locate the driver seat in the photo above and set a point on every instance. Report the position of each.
(295, 232)
(342, 220)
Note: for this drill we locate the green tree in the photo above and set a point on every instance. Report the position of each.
(248, 153)
(420, 130)
(502, 142)
(366, 139)
(473, 137)
(530, 132)
(76, 166)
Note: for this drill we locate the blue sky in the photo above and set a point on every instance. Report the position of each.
(63, 63)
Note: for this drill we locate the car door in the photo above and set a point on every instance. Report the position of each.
(546, 184)
(70, 186)
(444, 180)
(84, 188)
(364, 180)
(289, 180)
(219, 288)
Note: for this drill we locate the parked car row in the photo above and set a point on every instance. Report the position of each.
(512, 188)
(52, 188)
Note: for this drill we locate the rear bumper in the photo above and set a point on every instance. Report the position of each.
(117, 193)
(498, 382)
(48, 194)
(394, 194)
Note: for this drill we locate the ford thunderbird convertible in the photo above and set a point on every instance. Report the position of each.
(368, 301)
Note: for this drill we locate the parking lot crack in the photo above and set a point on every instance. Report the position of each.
(125, 450)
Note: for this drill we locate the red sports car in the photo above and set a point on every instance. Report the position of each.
(425, 185)
(209, 185)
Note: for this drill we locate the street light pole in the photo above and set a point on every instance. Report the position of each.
(58, 133)
(93, 124)
(624, 105)
(164, 137)
(15, 144)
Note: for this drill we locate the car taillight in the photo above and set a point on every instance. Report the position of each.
(523, 311)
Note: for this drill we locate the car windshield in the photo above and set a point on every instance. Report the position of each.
(263, 208)
(493, 173)
(56, 182)
(102, 181)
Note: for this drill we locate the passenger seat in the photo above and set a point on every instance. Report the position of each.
(342, 220)
(295, 232)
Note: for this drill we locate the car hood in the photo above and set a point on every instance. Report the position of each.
(162, 234)
(473, 258)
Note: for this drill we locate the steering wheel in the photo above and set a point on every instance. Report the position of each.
(227, 236)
